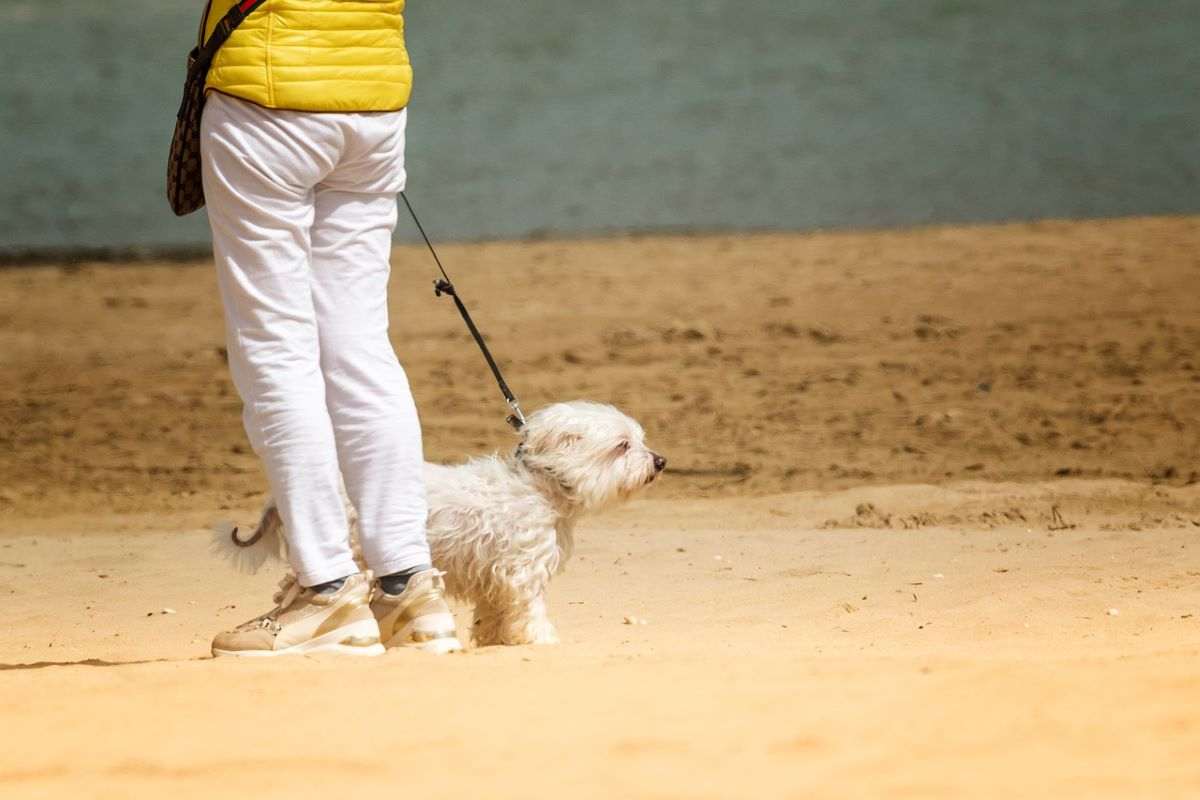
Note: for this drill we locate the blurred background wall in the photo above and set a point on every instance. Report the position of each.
(563, 117)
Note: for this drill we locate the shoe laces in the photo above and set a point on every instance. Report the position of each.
(289, 590)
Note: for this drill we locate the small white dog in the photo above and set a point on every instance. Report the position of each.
(501, 526)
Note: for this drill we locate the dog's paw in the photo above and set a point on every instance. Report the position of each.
(540, 632)
(546, 637)
(486, 632)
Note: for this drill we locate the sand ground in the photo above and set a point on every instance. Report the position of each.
(928, 530)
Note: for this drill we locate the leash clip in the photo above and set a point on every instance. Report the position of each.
(516, 419)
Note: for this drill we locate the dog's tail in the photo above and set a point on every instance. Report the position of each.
(250, 553)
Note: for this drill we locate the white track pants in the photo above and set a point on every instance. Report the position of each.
(302, 208)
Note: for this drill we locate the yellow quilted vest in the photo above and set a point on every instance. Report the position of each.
(315, 55)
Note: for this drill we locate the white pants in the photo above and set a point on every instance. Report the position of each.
(302, 207)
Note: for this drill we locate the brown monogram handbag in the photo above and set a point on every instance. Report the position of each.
(185, 189)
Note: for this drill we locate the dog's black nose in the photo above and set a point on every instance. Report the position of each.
(660, 463)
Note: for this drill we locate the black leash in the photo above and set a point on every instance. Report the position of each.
(444, 286)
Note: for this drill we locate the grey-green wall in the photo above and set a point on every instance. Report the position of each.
(537, 117)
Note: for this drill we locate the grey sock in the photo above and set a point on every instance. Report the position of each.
(395, 583)
(329, 587)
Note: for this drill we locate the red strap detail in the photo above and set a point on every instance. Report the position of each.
(246, 5)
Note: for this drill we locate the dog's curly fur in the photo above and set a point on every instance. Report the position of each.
(501, 526)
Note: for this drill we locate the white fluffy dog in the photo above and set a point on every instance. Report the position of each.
(501, 526)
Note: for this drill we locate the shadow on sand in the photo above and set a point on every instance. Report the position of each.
(94, 662)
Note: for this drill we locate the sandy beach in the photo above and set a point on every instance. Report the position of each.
(929, 528)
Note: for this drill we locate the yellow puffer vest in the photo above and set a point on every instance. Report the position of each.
(315, 55)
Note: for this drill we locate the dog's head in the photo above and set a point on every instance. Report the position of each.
(596, 454)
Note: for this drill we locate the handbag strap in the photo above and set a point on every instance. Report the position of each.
(207, 50)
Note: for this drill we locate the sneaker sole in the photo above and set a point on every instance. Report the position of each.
(438, 644)
(352, 640)
(376, 649)
(442, 646)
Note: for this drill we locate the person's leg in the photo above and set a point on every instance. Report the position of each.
(367, 393)
(259, 170)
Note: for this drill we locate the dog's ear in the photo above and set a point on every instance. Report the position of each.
(547, 441)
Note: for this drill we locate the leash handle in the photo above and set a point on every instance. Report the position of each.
(444, 286)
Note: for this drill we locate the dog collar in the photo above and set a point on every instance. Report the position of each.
(519, 457)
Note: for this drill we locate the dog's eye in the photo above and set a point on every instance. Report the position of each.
(622, 448)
